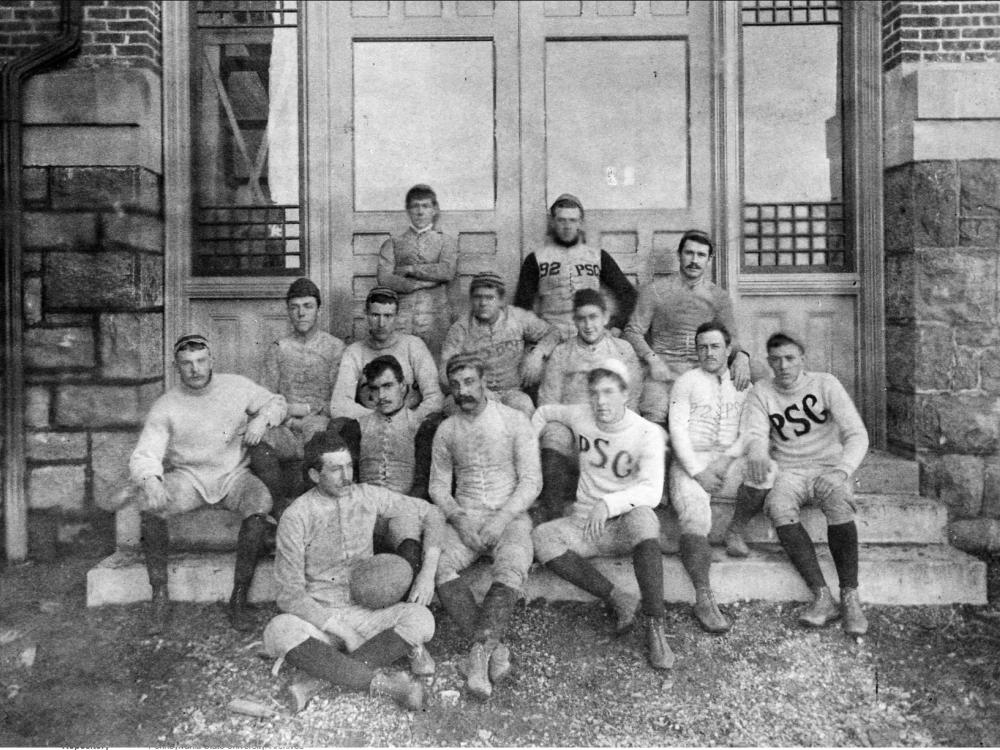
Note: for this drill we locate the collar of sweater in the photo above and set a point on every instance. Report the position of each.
(208, 388)
(425, 230)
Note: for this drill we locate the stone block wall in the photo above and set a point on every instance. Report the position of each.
(92, 243)
(942, 255)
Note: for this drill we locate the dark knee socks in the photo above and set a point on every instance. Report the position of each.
(248, 548)
(327, 663)
(457, 599)
(382, 650)
(411, 551)
(155, 541)
(697, 559)
(495, 612)
(801, 552)
(647, 560)
(749, 502)
(843, 541)
(580, 572)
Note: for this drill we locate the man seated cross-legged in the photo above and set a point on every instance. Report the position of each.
(322, 536)
(621, 482)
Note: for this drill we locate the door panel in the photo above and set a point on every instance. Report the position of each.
(824, 323)
(240, 331)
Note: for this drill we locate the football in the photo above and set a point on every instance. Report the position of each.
(380, 581)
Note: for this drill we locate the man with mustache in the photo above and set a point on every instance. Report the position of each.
(565, 264)
(670, 310)
(392, 448)
(705, 411)
(498, 334)
(193, 452)
(488, 453)
(350, 396)
(302, 368)
(322, 537)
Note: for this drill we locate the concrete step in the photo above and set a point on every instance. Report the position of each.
(881, 519)
(897, 574)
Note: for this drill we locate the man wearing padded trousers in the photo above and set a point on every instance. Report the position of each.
(621, 482)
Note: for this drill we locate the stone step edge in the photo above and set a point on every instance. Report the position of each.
(890, 574)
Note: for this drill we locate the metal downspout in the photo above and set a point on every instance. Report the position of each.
(12, 77)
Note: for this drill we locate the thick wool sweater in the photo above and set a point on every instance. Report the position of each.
(200, 432)
(621, 464)
(812, 424)
(304, 370)
(565, 379)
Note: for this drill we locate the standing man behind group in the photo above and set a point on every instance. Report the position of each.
(670, 310)
(302, 368)
(565, 264)
(418, 265)
(808, 424)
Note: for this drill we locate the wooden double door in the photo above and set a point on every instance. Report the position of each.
(501, 107)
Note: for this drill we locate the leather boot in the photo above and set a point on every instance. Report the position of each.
(626, 606)
(297, 695)
(458, 601)
(660, 655)
(405, 690)
(499, 664)
(421, 662)
(822, 611)
(479, 665)
(248, 547)
(854, 620)
(736, 545)
(707, 612)
(155, 541)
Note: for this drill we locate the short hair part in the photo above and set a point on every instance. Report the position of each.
(379, 365)
(599, 373)
(783, 339)
(421, 192)
(319, 445)
(714, 325)
(584, 297)
(696, 235)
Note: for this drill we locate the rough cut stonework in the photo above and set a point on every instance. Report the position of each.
(92, 254)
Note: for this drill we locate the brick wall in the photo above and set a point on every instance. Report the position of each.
(124, 34)
(939, 31)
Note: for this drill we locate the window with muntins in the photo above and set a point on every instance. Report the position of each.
(793, 137)
(246, 171)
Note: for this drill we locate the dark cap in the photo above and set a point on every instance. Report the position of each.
(192, 338)
(384, 292)
(303, 288)
(490, 279)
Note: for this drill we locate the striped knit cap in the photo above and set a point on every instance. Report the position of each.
(381, 291)
(460, 361)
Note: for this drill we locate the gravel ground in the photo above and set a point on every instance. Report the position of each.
(923, 676)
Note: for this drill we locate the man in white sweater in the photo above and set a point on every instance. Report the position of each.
(621, 482)
(193, 452)
(704, 417)
(808, 424)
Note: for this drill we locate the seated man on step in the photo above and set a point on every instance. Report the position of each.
(621, 482)
(565, 382)
(302, 368)
(499, 335)
(193, 452)
(321, 537)
(489, 454)
(808, 424)
(704, 414)
(392, 446)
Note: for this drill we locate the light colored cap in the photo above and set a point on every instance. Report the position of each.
(616, 366)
